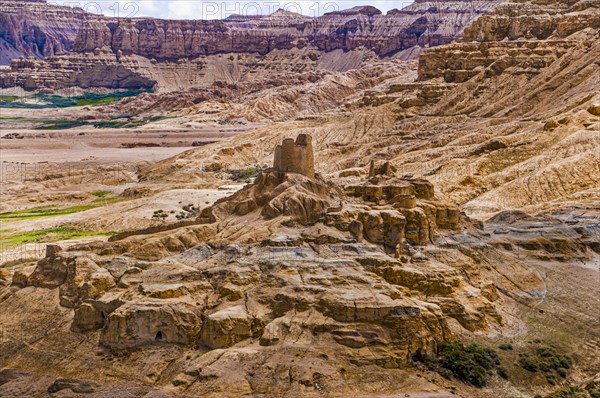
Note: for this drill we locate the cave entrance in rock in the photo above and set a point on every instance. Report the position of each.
(160, 336)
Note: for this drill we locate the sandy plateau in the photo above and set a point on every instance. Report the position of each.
(360, 205)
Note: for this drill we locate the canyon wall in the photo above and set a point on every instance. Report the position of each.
(35, 28)
(423, 23)
(518, 37)
(170, 55)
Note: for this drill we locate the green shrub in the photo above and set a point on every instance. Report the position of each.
(505, 347)
(243, 175)
(562, 372)
(470, 363)
(547, 360)
(160, 215)
(593, 389)
(502, 372)
(528, 363)
(568, 392)
(101, 194)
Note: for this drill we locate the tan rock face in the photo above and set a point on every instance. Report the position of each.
(517, 37)
(75, 70)
(308, 292)
(384, 227)
(87, 318)
(224, 328)
(84, 280)
(137, 324)
(275, 194)
(293, 285)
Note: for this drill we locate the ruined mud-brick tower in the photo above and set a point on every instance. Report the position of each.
(295, 157)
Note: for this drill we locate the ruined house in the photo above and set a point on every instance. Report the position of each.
(295, 156)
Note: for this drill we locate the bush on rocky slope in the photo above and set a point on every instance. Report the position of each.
(471, 363)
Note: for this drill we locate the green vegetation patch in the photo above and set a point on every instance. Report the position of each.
(60, 124)
(593, 389)
(245, 174)
(8, 98)
(547, 360)
(470, 363)
(506, 347)
(48, 235)
(101, 194)
(117, 123)
(590, 391)
(105, 201)
(63, 124)
(103, 99)
(58, 101)
(41, 212)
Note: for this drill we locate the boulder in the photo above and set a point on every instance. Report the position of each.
(21, 277)
(383, 227)
(423, 189)
(227, 327)
(404, 201)
(87, 318)
(419, 229)
(448, 217)
(84, 280)
(75, 385)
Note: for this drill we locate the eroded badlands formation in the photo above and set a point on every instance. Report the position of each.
(505, 120)
(398, 205)
(292, 266)
(125, 52)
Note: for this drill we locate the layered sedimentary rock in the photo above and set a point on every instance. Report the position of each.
(289, 273)
(509, 124)
(146, 52)
(238, 284)
(423, 23)
(522, 37)
(77, 70)
(35, 28)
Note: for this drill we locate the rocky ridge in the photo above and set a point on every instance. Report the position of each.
(486, 120)
(424, 24)
(344, 303)
(140, 49)
(292, 266)
(34, 28)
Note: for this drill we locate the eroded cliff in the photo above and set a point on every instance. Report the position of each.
(142, 49)
(35, 28)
